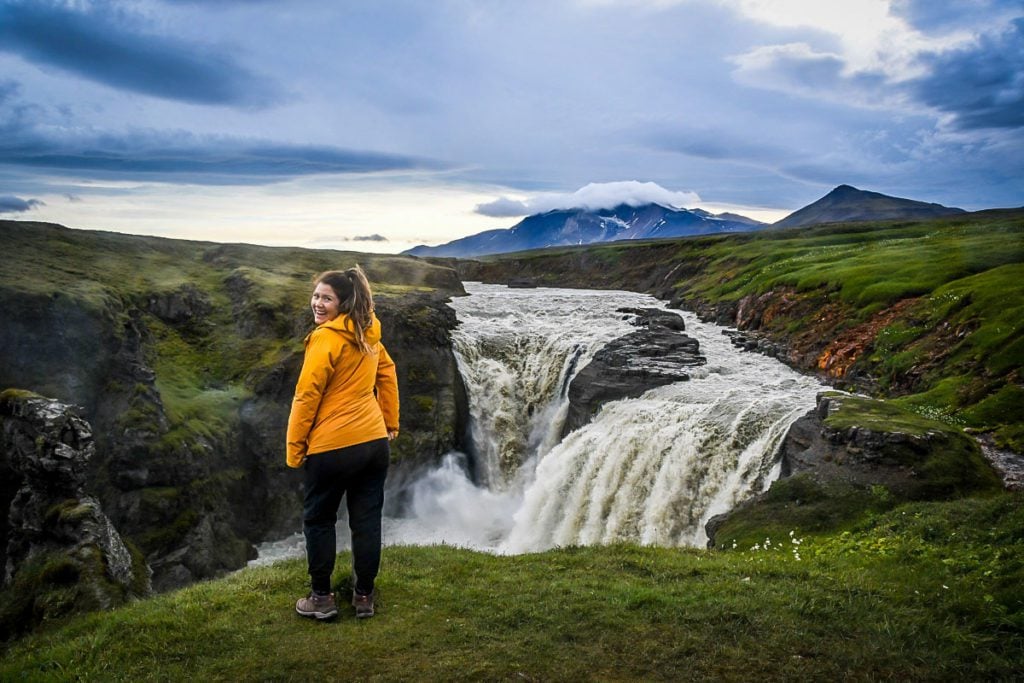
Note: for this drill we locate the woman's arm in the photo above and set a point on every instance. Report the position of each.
(387, 391)
(317, 367)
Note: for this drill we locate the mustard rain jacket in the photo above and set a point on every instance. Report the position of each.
(334, 404)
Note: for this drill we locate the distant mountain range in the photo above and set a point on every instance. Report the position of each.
(565, 227)
(847, 204)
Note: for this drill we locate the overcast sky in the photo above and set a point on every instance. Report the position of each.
(378, 125)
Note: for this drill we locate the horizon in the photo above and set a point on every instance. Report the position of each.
(324, 125)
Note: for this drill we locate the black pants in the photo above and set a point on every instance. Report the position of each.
(358, 473)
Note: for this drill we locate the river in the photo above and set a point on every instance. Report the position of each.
(649, 470)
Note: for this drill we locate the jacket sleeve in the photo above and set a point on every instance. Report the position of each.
(317, 367)
(387, 389)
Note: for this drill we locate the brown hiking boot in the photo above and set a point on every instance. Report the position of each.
(363, 605)
(317, 606)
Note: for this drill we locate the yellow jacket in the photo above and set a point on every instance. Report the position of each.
(334, 404)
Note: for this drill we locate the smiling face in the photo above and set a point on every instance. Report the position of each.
(324, 303)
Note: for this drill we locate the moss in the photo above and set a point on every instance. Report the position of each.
(59, 570)
(16, 395)
(882, 416)
(169, 535)
(424, 403)
(140, 585)
(69, 511)
(802, 504)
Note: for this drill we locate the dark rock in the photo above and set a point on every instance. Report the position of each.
(856, 455)
(749, 341)
(185, 305)
(57, 536)
(655, 355)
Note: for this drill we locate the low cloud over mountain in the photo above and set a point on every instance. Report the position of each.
(592, 197)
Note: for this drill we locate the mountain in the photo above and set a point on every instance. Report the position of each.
(845, 204)
(566, 227)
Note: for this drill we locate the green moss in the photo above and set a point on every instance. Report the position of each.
(801, 504)
(882, 416)
(15, 395)
(424, 403)
(1005, 406)
(169, 535)
(68, 512)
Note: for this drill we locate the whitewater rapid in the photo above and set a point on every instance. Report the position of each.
(650, 470)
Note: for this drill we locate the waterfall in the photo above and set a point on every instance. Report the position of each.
(649, 470)
(516, 355)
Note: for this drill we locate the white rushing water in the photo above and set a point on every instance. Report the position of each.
(651, 470)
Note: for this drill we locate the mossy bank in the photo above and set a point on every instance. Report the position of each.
(183, 356)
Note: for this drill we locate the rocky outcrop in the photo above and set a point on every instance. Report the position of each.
(62, 554)
(656, 354)
(851, 453)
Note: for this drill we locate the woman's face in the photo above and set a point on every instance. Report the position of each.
(324, 303)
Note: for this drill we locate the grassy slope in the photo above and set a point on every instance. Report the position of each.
(925, 591)
(932, 310)
(203, 374)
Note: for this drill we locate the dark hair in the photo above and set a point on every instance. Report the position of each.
(354, 299)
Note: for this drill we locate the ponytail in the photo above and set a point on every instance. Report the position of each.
(354, 299)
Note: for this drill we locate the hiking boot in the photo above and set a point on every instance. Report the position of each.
(317, 606)
(363, 605)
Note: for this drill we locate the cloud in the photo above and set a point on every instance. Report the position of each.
(799, 69)
(969, 67)
(102, 46)
(981, 85)
(9, 204)
(175, 156)
(367, 238)
(591, 197)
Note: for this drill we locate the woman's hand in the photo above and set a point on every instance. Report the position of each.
(392, 434)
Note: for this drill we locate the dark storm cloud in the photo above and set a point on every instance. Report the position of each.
(194, 159)
(36, 138)
(100, 46)
(981, 85)
(9, 204)
(929, 15)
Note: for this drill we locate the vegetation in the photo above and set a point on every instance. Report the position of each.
(930, 313)
(174, 349)
(923, 591)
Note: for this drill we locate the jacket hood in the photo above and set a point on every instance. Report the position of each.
(345, 326)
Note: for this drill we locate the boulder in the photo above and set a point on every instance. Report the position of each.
(656, 354)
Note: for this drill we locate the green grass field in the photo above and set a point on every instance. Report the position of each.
(928, 591)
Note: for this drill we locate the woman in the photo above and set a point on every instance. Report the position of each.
(344, 413)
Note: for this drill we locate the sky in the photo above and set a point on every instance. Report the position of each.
(379, 125)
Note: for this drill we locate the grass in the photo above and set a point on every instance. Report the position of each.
(923, 592)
